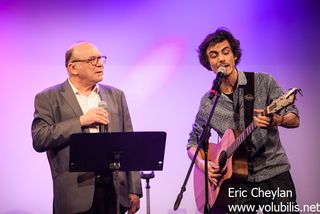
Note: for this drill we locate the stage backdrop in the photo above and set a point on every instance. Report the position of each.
(151, 49)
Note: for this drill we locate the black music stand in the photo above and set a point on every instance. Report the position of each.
(117, 151)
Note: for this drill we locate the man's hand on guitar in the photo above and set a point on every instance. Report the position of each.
(214, 171)
(262, 121)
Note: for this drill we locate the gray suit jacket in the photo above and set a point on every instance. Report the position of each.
(56, 117)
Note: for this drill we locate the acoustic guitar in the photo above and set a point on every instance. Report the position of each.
(234, 168)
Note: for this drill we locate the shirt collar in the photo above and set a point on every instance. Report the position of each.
(76, 91)
(242, 80)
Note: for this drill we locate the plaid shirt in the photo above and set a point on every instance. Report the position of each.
(267, 156)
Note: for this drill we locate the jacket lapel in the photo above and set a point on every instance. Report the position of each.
(103, 92)
(70, 98)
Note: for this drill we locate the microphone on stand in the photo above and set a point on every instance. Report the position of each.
(103, 128)
(217, 82)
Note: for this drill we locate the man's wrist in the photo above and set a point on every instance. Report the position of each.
(281, 121)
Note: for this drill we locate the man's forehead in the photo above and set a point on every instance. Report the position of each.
(218, 46)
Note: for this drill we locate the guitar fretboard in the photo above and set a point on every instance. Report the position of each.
(240, 139)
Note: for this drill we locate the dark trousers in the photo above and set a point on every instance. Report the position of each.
(104, 200)
(275, 195)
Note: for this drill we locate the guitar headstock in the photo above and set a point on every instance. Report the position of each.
(283, 101)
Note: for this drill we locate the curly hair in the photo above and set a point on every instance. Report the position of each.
(219, 35)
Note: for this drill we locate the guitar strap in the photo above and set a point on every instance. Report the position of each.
(248, 98)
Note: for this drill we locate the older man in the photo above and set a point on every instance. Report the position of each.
(72, 107)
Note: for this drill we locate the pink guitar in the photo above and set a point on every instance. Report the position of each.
(232, 159)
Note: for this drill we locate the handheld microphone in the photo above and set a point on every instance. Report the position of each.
(103, 128)
(217, 82)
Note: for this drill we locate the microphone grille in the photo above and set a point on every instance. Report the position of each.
(222, 70)
(102, 104)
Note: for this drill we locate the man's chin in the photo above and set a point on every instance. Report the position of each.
(98, 80)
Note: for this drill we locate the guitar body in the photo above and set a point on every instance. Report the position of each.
(234, 171)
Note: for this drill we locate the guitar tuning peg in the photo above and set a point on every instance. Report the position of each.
(293, 91)
(300, 91)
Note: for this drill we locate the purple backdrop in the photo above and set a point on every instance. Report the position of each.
(151, 56)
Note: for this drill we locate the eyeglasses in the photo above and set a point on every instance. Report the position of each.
(93, 60)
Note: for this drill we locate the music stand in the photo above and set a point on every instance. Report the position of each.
(117, 151)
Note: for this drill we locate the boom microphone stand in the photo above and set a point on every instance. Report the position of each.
(203, 143)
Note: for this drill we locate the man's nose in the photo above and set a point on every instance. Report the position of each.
(99, 64)
(221, 58)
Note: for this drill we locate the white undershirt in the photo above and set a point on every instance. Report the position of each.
(87, 102)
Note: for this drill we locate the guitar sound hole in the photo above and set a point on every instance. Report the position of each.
(222, 159)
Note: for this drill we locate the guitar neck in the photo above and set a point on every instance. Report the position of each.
(278, 104)
(240, 139)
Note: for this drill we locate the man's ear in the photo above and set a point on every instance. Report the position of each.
(72, 67)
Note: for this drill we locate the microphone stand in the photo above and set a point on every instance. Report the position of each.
(115, 167)
(203, 142)
(147, 176)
